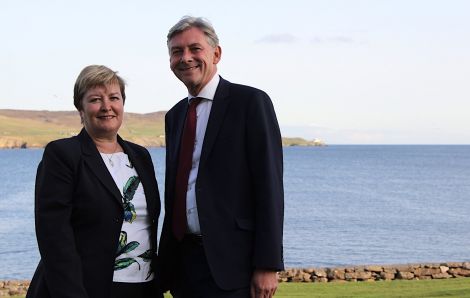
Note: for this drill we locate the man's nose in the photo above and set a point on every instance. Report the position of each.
(186, 56)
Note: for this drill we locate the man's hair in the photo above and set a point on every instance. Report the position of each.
(188, 22)
(94, 76)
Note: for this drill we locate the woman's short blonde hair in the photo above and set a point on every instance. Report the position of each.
(93, 76)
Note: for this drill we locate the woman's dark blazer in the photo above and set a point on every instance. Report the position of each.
(79, 215)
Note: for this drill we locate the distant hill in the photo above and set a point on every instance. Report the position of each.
(34, 129)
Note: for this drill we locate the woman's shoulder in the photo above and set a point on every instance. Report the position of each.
(136, 147)
(67, 148)
(71, 143)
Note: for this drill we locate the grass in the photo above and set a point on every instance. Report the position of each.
(458, 287)
(37, 128)
(455, 287)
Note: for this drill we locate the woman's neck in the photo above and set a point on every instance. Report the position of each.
(107, 145)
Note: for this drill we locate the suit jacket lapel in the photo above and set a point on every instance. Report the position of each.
(178, 127)
(216, 118)
(93, 159)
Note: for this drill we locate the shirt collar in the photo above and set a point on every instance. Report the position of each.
(208, 91)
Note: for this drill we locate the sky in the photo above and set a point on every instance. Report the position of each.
(346, 72)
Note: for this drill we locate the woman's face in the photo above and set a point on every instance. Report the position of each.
(102, 111)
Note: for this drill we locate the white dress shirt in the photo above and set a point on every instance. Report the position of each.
(203, 111)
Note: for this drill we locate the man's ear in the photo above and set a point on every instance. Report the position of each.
(217, 54)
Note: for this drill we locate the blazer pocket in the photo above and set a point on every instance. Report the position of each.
(245, 224)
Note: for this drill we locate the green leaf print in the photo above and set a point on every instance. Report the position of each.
(146, 256)
(124, 263)
(122, 242)
(130, 247)
(124, 247)
(129, 191)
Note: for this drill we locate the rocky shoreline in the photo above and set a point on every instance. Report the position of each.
(341, 274)
(378, 273)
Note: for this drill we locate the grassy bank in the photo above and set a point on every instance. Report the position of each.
(29, 129)
(456, 287)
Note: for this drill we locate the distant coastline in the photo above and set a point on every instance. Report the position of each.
(34, 129)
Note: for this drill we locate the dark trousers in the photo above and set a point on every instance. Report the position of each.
(135, 290)
(195, 280)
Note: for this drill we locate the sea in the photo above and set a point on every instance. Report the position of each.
(345, 205)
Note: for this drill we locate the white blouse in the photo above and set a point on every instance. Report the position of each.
(133, 255)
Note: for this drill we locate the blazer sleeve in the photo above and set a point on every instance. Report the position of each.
(53, 217)
(264, 149)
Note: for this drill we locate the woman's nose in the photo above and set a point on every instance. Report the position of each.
(105, 105)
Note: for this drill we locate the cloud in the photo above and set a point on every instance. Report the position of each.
(333, 40)
(278, 38)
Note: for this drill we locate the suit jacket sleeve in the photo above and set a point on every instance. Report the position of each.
(53, 216)
(266, 166)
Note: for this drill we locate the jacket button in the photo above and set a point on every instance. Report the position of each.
(116, 220)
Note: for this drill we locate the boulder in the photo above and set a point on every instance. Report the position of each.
(306, 277)
(364, 275)
(387, 275)
(374, 268)
(459, 272)
(405, 268)
(350, 276)
(444, 268)
(335, 274)
(320, 273)
(405, 275)
(426, 271)
(441, 276)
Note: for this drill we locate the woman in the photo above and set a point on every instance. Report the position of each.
(97, 203)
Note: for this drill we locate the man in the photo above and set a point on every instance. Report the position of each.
(224, 200)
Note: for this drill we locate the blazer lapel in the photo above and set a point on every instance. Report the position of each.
(93, 159)
(178, 128)
(216, 117)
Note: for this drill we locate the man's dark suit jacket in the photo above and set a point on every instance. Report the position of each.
(79, 215)
(239, 188)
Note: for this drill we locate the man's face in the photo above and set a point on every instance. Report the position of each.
(192, 59)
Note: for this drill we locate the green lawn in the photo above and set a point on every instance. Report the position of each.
(414, 288)
(456, 287)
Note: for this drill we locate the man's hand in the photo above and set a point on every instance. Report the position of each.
(263, 284)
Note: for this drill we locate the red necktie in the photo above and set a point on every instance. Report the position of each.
(184, 167)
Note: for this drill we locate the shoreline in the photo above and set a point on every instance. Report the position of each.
(362, 273)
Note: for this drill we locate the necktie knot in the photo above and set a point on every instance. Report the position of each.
(193, 102)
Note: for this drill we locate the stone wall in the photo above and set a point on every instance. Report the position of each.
(344, 274)
(13, 287)
(377, 272)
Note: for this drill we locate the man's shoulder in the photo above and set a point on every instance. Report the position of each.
(236, 89)
(177, 107)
